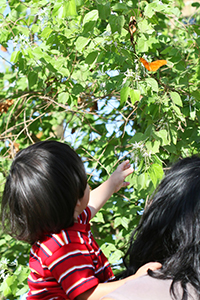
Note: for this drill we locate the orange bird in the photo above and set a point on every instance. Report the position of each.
(154, 65)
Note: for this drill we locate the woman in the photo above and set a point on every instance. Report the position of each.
(169, 232)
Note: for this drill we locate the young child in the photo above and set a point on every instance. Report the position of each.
(48, 203)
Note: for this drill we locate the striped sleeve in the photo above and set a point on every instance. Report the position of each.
(85, 216)
(73, 268)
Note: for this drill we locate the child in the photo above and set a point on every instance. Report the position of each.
(48, 203)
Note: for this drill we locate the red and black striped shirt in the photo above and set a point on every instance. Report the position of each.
(66, 264)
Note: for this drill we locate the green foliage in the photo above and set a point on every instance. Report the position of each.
(72, 72)
(13, 267)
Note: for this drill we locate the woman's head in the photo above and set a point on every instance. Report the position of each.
(169, 231)
(45, 181)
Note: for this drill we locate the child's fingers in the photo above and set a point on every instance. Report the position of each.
(128, 171)
(125, 183)
(127, 164)
(151, 265)
(124, 165)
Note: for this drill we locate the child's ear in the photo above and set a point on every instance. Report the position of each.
(76, 210)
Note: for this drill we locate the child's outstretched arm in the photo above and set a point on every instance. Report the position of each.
(115, 182)
(103, 289)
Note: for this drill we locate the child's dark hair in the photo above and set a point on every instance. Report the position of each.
(169, 231)
(41, 192)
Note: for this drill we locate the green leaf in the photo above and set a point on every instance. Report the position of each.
(22, 83)
(116, 256)
(176, 98)
(104, 11)
(63, 97)
(135, 95)
(116, 23)
(141, 181)
(77, 89)
(125, 222)
(24, 31)
(193, 115)
(79, 2)
(91, 16)
(149, 10)
(35, 28)
(152, 83)
(46, 32)
(107, 249)
(163, 135)
(91, 57)
(124, 93)
(153, 147)
(176, 11)
(138, 137)
(6, 289)
(37, 52)
(10, 285)
(176, 110)
(196, 4)
(156, 173)
(58, 63)
(117, 222)
(99, 218)
(142, 44)
(14, 56)
(81, 43)
(56, 9)
(69, 8)
(65, 72)
(145, 27)
(120, 7)
(32, 79)
(22, 291)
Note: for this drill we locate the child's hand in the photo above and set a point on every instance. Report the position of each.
(151, 265)
(103, 192)
(143, 270)
(117, 178)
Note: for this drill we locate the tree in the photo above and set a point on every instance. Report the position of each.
(73, 73)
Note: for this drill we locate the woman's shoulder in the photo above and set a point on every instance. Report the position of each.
(147, 288)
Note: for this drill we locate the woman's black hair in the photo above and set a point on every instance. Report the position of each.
(41, 192)
(169, 230)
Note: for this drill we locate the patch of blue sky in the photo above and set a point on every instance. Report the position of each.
(23, 297)
(7, 10)
(5, 56)
(74, 139)
(113, 73)
(113, 126)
